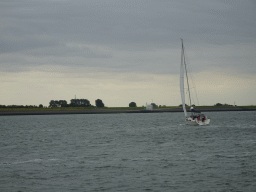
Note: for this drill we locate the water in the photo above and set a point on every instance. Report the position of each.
(127, 152)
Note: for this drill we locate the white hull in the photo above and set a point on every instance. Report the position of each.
(190, 121)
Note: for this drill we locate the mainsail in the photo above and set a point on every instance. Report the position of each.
(182, 81)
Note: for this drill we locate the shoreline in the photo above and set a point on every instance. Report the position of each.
(110, 111)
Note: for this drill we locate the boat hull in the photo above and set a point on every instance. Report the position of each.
(205, 122)
(191, 121)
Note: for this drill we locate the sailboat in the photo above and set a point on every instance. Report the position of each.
(196, 117)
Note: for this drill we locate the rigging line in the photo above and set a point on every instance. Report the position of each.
(193, 83)
(190, 74)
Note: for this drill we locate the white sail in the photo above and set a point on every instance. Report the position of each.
(182, 82)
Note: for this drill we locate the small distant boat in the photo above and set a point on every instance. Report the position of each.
(196, 117)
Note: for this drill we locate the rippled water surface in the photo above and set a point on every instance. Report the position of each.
(128, 152)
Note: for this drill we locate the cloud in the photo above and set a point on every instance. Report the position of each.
(14, 44)
(72, 50)
(130, 40)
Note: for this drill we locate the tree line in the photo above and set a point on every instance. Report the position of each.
(219, 104)
(61, 103)
(75, 103)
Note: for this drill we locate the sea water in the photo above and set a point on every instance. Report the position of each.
(128, 152)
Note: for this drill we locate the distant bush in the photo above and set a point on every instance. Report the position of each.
(99, 103)
(132, 104)
(219, 104)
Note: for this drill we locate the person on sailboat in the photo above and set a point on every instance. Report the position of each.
(193, 110)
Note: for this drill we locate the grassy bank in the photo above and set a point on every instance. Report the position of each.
(80, 108)
(249, 107)
(46, 109)
(112, 108)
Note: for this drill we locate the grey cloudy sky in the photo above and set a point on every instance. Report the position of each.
(126, 50)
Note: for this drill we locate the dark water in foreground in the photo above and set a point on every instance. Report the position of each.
(128, 152)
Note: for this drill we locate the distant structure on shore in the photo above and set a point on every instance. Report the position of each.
(149, 107)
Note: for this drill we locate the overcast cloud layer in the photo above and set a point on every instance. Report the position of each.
(124, 46)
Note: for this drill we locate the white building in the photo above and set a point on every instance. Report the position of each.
(149, 107)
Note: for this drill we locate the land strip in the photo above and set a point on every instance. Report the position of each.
(109, 111)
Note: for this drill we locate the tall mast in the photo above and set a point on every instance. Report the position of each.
(186, 73)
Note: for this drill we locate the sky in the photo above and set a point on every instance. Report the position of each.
(123, 51)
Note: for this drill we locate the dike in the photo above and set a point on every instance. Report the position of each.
(110, 111)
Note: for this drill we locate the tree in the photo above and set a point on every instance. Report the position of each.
(56, 103)
(132, 104)
(52, 103)
(80, 103)
(73, 103)
(85, 103)
(63, 103)
(41, 106)
(99, 103)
